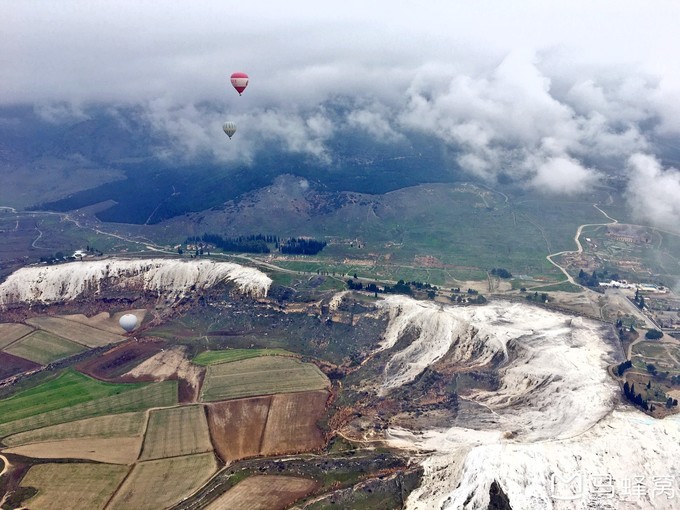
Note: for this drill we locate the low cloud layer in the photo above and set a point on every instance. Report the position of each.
(542, 94)
(653, 191)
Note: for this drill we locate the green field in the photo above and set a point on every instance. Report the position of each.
(117, 425)
(29, 404)
(73, 485)
(43, 347)
(175, 432)
(67, 389)
(161, 483)
(10, 332)
(260, 376)
(212, 357)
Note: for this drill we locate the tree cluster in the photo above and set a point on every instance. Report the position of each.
(593, 279)
(501, 273)
(653, 334)
(635, 398)
(246, 244)
(622, 367)
(302, 246)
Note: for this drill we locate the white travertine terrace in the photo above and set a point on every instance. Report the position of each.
(172, 278)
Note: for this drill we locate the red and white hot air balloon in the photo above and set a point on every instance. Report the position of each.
(239, 81)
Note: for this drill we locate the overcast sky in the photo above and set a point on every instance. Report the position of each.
(554, 92)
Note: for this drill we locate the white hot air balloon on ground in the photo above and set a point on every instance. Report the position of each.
(229, 128)
(128, 322)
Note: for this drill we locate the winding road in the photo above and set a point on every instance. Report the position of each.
(579, 249)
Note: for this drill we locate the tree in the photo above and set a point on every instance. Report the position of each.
(653, 334)
(651, 368)
(641, 303)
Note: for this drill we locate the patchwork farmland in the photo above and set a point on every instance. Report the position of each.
(75, 331)
(103, 427)
(117, 450)
(136, 398)
(43, 347)
(74, 485)
(12, 365)
(267, 425)
(158, 484)
(11, 332)
(175, 432)
(225, 356)
(265, 493)
(261, 376)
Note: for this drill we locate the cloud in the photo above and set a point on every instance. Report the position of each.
(195, 132)
(653, 192)
(549, 95)
(375, 122)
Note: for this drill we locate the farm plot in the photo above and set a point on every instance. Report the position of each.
(263, 492)
(74, 485)
(75, 331)
(105, 320)
(43, 347)
(12, 365)
(11, 332)
(170, 364)
(118, 450)
(153, 395)
(261, 376)
(176, 432)
(120, 359)
(225, 356)
(291, 422)
(267, 425)
(104, 427)
(237, 426)
(67, 389)
(160, 483)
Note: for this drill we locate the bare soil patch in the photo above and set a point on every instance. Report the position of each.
(11, 365)
(171, 364)
(237, 426)
(111, 365)
(119, 450)
(268, 425)
(265, 492)
(291, 423)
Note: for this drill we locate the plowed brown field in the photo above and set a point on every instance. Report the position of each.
(11, 365)
(269, 425)
(115, 362)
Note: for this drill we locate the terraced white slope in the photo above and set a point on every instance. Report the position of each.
(172, 278)
(555, 418)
